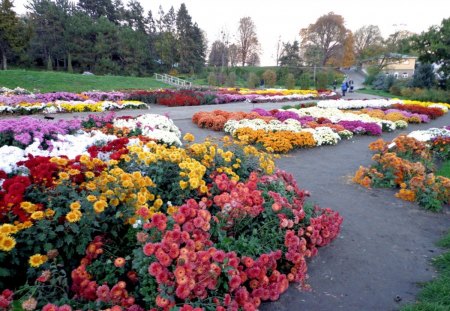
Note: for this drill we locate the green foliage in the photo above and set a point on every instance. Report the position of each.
(322, 81)
(231, 79)
(433, 46)
(270, 78)
(305, 81)
(252, 80)
(290, 81)
(212, 80)
(445, 169)
(372, 72)
(424, 76)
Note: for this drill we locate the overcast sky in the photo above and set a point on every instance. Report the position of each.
(284, 18)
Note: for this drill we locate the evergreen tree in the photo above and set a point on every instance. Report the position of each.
(291, 55)
(10, 32)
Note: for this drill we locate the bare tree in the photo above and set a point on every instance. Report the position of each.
(233, 54)
(247, 43)
(253, 59)
(326, 36)
(367, 38)
(279, 51)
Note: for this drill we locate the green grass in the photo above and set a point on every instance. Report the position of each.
(47, 81)
(445, 169)
(435, 295)
(377, 92)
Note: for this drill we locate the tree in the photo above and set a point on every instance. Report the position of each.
(367, 41)
(291, 55)
(247, 43)
(289, 83)
(99, 8)
(279, 51)
(252, 80)
(433, 46)
(348, 58)
(218, 57)
(233, 53)
(424, 76)
(325, 37)
(191, 42)
(253, 59)
(134, 16)
(10, 32)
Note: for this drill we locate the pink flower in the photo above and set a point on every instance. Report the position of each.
(29, 304)
(65, 308)
(50, 307)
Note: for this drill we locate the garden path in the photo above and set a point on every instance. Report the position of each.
(385, 245)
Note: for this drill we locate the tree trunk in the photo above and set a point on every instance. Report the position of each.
(49, 63)
(4, 61)
(69, 63)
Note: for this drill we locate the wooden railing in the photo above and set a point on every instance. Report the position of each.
(173, 80)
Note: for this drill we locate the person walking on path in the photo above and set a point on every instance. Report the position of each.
(334, 85)
(344, 87)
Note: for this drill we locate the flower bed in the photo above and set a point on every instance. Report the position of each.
(378, 103)
(408, 163)
(130, 224)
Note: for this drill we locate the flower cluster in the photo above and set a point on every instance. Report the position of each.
(407, 163)
(133, 224)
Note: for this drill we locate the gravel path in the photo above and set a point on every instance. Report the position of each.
(385, 245)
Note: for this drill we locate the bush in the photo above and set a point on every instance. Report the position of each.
(379, 81)
(305, 81)
(424, 76)
(290, 81)
(322, 81)
(270, 78)
(212, 80)
(372, 73)
(388, 82)
(231, 79)
(252, 80)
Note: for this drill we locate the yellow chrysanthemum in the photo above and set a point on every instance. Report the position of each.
(38, 215)
(73, 216)
(75, 205)
(100, 206)
(7, 243)
(37, 260)
(73, 172)
(91, 198)
(63, 175)
(189, 137)
(49, 212)
(89, 174)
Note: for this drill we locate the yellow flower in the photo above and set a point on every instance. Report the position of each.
(89, 174)
(99, 206)
(91, 186)
(203, 189)
(37, 215)
(28, 207)
(75, 205)
(91, 198)
(37, 260)
(63, 175)
(171, 209)
(49, 212)
(189, 137)
(114, 202)
(73, 172)
(158, 203)
(6, 229)
(7, 243)
(73, 216)
(183, 184)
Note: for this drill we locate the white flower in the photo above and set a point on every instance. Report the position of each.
(10, 156)
(430, 134)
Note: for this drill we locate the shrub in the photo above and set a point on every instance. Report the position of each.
(231, 79)
(322, 81)
(305, 81)
(270, 78)
(372, 72)
(379, 81)
(212, 80)
(424, 76)
(290, 81)
(252, 80)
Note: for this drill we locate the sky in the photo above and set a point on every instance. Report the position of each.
(283, 19)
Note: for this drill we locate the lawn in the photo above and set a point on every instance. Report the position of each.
(378, 93)
(445, 169)
(435, 294)
(46, 81)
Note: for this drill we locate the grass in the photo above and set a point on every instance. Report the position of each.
(445, 169)
(48, 81)
(377, 92)
(435, 295)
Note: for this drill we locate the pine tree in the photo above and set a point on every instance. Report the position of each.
(9, 31)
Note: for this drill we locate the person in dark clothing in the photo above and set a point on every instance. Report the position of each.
(334, 85)
(344, 87)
